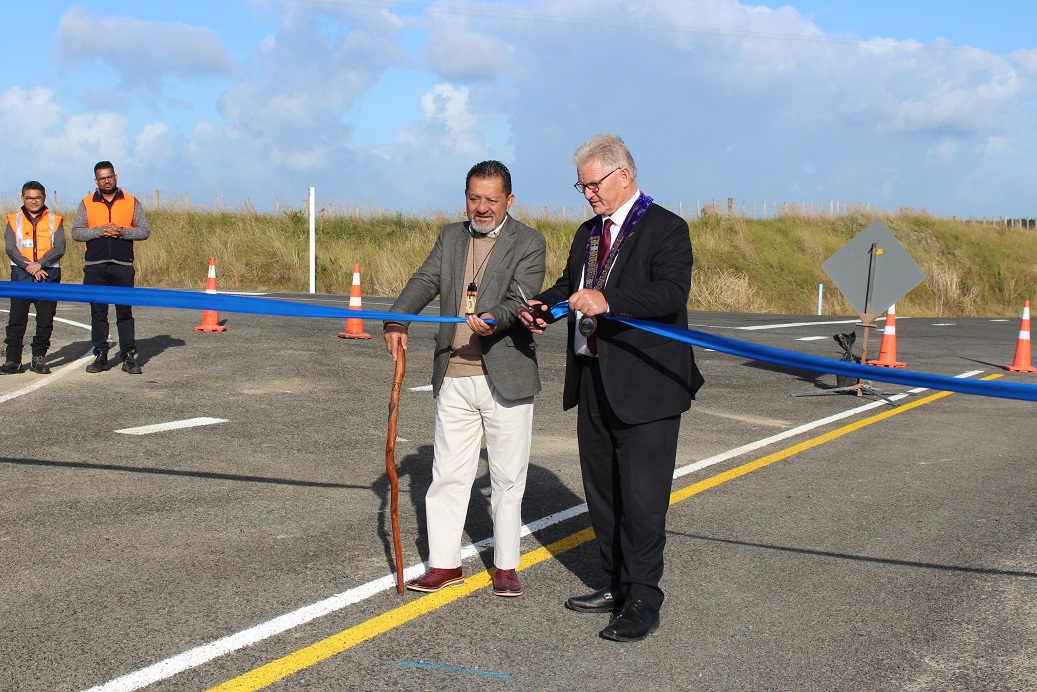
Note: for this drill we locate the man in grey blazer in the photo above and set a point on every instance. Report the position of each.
(484, 372)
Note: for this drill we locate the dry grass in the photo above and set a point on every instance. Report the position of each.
(741, 264)
(726, 291)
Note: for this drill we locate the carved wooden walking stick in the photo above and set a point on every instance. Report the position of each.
(390, 463)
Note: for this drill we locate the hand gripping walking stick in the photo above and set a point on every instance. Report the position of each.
(390, 464)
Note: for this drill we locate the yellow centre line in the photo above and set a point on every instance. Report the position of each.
(296, 661)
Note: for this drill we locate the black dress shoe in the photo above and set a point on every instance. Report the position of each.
(601, 601)
(633, 623)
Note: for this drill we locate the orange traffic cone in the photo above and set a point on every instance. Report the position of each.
(354, 325)
(210, 318)
(1022, 345)
(888, 349)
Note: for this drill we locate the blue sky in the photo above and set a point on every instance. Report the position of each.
(928, 105)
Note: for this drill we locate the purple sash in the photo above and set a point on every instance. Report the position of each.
(592, 278)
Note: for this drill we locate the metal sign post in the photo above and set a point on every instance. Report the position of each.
(869, 284)
(868, 317)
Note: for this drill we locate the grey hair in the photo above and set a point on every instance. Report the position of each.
(610, 149)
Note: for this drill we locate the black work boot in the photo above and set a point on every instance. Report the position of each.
(100, 363)
(10, 367)
(39, 365)
(129, 363)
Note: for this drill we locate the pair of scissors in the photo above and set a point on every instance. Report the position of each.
(539, 311)
(525, 300)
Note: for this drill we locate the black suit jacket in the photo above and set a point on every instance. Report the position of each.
(646, 377)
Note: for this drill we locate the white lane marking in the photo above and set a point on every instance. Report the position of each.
(944, 324)
(806, 427)
(812, 338)
(48, 379)
(752, 420)
(422, 388)
(999, 320)
(201, 655)
(72, 322)
(57, 374)
(58, 319)
(794, 324)
(808, 324)
(172, 425)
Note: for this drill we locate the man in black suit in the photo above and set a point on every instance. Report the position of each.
(633, 259)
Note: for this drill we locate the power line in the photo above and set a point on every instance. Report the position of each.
(624, 24)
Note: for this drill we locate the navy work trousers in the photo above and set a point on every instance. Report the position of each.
(19, 318)
(110, 274)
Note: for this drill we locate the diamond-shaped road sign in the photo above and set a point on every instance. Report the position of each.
(895, 272)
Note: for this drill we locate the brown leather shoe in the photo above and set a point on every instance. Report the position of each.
(506, 583)
(435, 579)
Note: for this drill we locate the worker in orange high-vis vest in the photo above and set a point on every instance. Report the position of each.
(109, 222)
(35, 242)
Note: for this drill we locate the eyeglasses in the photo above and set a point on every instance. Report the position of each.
(106, 178)
(593, 187)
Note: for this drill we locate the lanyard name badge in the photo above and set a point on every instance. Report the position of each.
(472, 294)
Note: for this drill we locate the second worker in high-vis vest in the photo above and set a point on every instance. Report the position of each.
(34, 238)
(109, 222)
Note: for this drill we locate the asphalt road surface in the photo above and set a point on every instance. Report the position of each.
(825, 542)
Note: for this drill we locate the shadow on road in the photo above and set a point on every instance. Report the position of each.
(177, 472)
(545, 495)
(146, 349)
(861, 558)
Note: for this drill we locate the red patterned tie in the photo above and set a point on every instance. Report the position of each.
(604, 245)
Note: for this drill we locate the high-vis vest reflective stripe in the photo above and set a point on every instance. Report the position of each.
(98, 214)
(33, 244)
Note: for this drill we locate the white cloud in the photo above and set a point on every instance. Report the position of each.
(448, 105)
(461, 55)
(42, 137)
(944, 150)
(141, 52)
(152, 145)
(770, 85)
(87, 137)
(27, 114)
(716, 98)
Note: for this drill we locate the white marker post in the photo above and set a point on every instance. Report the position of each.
(820, 294)
(313, 246)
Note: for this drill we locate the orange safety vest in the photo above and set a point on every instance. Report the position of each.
(34, 245)
(98, 213)
(120, 213)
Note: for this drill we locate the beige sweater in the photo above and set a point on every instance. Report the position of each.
(466, 351)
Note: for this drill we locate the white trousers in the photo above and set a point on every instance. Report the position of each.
(466, 408)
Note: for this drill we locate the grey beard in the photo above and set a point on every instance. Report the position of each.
(482, 231)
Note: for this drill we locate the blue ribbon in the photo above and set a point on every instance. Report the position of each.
(188, 300)
(166, 298)
(801, 361)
